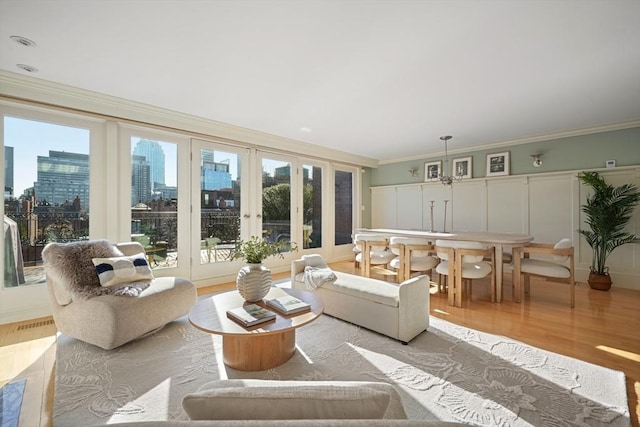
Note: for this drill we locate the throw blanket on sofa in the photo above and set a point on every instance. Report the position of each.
(314, 277)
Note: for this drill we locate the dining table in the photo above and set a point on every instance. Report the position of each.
(500, 241)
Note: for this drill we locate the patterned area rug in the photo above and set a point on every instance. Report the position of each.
(448, 373)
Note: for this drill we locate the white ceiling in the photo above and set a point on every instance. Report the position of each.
(381, 79)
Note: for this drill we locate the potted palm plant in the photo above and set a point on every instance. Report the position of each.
(608, 210)
(254, 279)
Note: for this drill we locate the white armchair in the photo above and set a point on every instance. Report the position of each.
(109, 315)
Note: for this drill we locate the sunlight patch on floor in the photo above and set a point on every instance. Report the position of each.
(32, 349)
(622, 353)
(133, 409)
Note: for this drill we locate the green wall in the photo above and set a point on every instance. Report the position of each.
(573, 153)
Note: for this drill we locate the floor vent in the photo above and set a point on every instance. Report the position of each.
(35, 325)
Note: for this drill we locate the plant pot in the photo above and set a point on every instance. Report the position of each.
(600, 282)
(254, 282)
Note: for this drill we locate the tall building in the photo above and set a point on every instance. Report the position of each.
(140, 180)
(154, 154)
(215, 175)
(8, 172)
(62, 177)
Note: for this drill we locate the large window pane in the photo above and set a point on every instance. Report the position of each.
(312, 206)
(220, 187)
(46, 193)
(343, 207)
(276, 200)
(154, 200)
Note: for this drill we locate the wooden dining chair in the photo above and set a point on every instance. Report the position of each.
(559, 264)
(373, 251)
(464, 261)
(413, 254)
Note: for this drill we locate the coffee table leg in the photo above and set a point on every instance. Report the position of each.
(258, 352)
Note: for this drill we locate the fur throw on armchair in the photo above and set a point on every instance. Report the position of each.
(71, 265)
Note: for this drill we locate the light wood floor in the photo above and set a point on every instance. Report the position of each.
(603, 328)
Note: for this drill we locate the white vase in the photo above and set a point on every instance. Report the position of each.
(254, 282)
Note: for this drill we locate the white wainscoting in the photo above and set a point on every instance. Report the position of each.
(546, 206)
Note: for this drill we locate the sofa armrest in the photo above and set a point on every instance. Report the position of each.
(297, 267)
(413, 307)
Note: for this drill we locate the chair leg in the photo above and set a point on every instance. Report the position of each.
(572, 281)
(572, 286)
(517, 286)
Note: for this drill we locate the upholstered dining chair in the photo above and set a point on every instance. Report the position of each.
(462, 260)
(373, 251)
(559, 264)
(413, 254)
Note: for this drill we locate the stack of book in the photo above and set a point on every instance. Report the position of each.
(249, 315)
(288, 304)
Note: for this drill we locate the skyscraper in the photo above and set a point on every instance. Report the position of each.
(62, 177)
(140, 180)
(215, 175)
(154, 154)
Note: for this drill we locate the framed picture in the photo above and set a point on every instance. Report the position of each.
(432, 170)
(498, 164)
(462, 167)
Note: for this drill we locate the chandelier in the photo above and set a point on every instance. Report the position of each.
(443, 177)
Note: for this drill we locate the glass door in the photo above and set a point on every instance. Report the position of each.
(312, 214)
(275, 219)
(278, 207)
(219, 199)
(346, 209)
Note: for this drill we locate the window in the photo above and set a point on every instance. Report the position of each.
(276, 199)
(46, 193)
(154, 200)
(220, 203)
(312, 206)
(343, 215)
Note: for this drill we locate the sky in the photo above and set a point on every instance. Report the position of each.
(31, 139)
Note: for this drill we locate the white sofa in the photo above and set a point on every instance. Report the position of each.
(251, 402)
(398, 311)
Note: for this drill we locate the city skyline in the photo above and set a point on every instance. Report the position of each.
(31, 139)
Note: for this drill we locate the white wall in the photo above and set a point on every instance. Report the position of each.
(546, 206)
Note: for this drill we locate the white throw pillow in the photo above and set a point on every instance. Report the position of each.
(286, 400)
(124, 269)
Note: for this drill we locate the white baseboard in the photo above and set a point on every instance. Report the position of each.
(33, 312)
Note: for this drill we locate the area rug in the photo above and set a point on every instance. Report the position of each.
(448, 373)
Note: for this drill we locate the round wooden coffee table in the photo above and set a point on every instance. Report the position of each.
(259, 347)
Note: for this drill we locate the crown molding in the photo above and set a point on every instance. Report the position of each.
(30, 89)
(519, 141)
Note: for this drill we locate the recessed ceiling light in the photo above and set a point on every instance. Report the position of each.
(307, 130)
(27, 68)
(23, 41)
